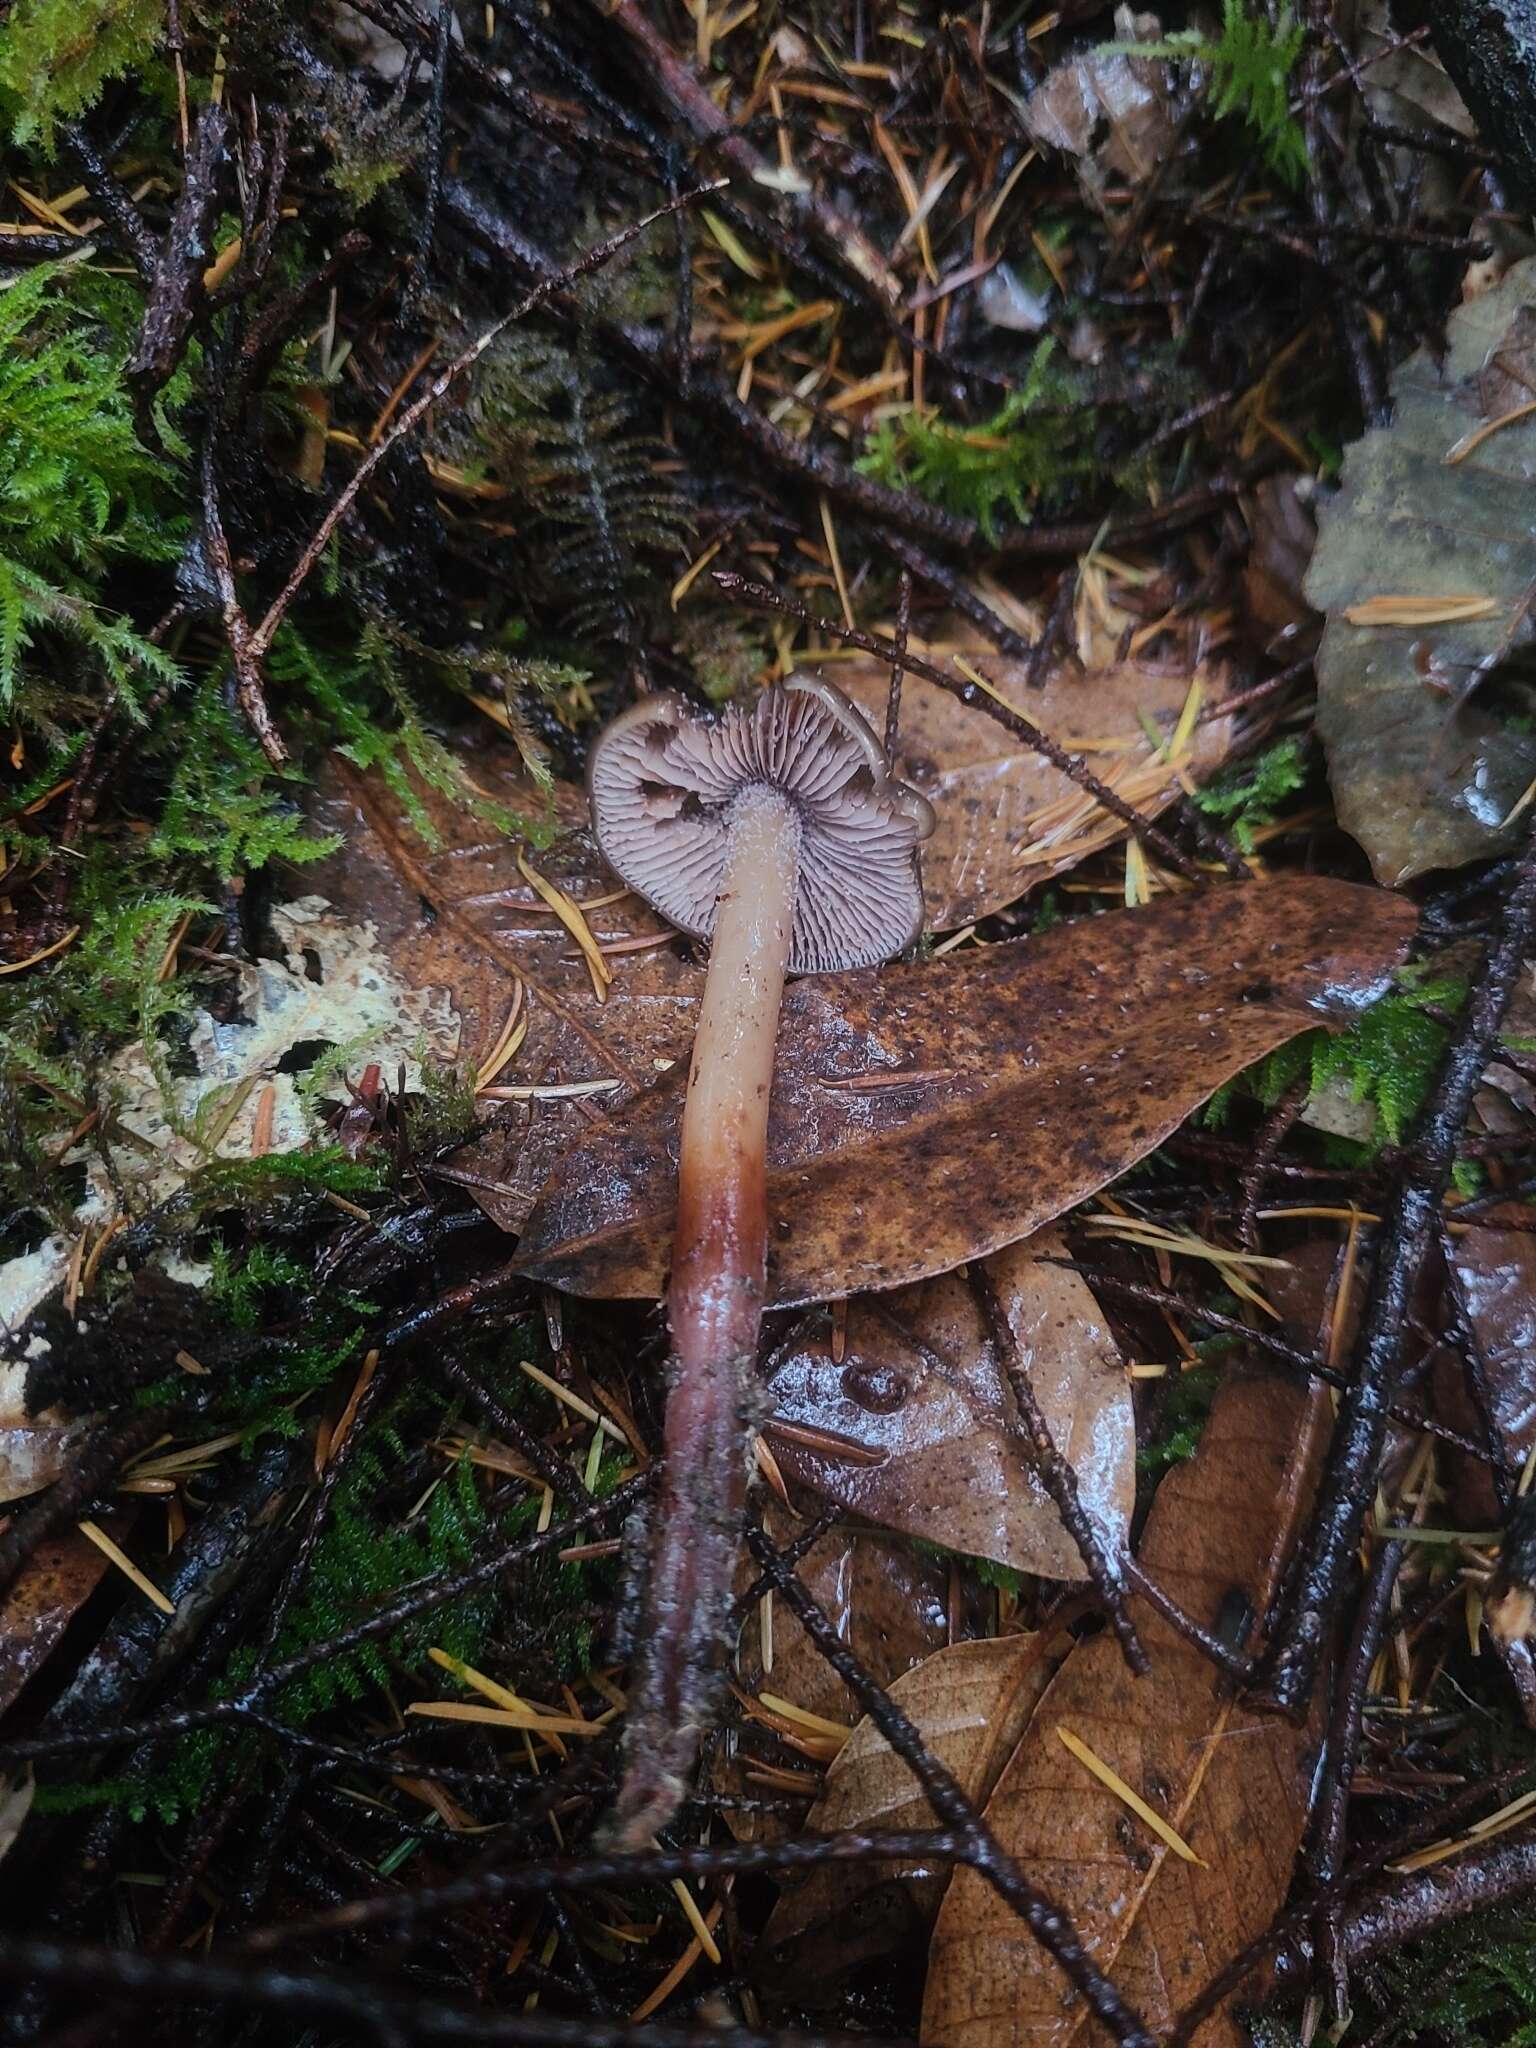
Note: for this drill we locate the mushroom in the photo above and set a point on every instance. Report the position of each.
(776, 832)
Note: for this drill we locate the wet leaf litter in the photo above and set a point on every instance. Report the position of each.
(830, 1570)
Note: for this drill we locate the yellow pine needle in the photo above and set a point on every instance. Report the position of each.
(830, 531)
(1404, 609)
(1464, 447)
(499, 1695)
(703, 1943)
(569, 914)
(1480, 1831)
(1138, 887)
(509, 1041)
(563, 1394)
(504, 1717)
(695, 570)
(838, 1731)
(47, 953)
(126, 1566)
(1113, 1782)
(722, 235)
(702, 1933)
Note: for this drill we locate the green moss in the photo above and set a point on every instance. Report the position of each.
(1246, 796)
(56, 55)
(77, 489)
(1039, 440)
(1183, 1417)
(1388, 1057)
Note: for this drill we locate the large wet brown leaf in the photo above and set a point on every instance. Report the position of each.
(1007, 821)
(922, 1395)
(1039, 1070)
(1232, 1785)
(1425, 763)
(59, 1577)
(461, 915)
(970, 1702)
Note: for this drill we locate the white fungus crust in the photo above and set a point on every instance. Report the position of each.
(664, 781)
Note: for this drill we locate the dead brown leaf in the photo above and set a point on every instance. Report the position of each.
(33, 1448)
(1007, 821)
(60, 1577)
(890, 1604)
(1231, 1785)
(970, 1702)
(922, 1394)
(1109, 110)
(929, 1113)
(1497, 1273)
(462, 916)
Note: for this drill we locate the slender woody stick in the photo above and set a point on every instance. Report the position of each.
(1073, 766)
(1056, 1475)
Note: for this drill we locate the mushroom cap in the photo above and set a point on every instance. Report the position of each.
(664, 778)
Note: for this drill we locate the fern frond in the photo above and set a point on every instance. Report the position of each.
(1250, 66)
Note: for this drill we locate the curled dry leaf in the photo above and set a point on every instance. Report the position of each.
(970, 1702)
(1007, 821)
(921, 1393)
(1231, 1785)
(33, 1448)
(462, 915)
(1426, 753)
(1109, 110)
(890, 1604)
(929, 1113)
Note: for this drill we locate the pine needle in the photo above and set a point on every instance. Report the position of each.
(1116, 1784)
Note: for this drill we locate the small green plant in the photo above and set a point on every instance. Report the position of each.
(1480, 1994)
(1250, 65)
(56, 55)
(226, 809)
(77, 489)
(1185, 1407)
(1388, 1057)
(1245, 797)
(1012, 461)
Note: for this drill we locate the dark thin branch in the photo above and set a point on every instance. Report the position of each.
(1323, 1857)
(1349, 1479)
(417, 410)
(119, 214)
(1286, 1932)
(442, 48)
(685, 94)
(1102, 1279)
(376, 2009)
(959, 595)
(898, 665)
(1056, 1475)
(1222, 1655)
(1045, 1920)
(1072, 766)
(422, 1597)
(713, 399)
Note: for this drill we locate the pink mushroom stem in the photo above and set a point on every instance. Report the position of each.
(715, 1306)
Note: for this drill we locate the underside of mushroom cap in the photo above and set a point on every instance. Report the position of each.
(664, 780)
